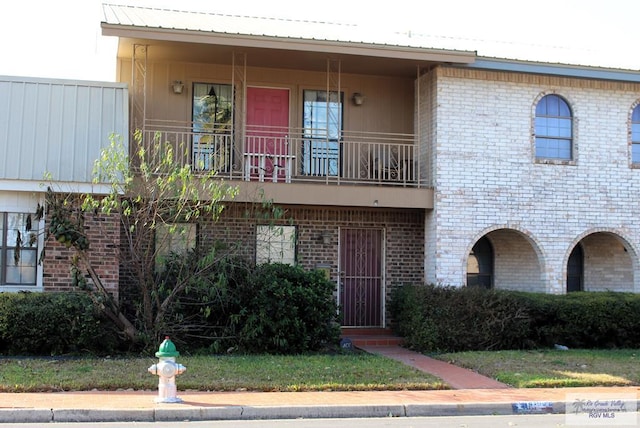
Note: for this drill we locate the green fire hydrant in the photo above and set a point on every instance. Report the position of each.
(167, 369)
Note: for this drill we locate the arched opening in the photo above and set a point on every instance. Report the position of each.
(607, 264)
(505, 259)
(480, 264)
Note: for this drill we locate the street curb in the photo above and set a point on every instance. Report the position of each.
(26, 415)
(324, 411)
(168, 414)
(250, 413)
(103, 415)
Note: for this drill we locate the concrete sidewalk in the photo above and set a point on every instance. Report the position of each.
(473, 395)
(129, 406)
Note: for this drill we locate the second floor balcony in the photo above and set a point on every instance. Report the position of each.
(289, 156)
(286, 162)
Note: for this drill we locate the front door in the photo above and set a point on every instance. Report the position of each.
(266, 146)
(361, 280)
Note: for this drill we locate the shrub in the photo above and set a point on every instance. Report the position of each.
(202, 312)
(53, 324)
(285, 309)
(584, 319)
(450, 319)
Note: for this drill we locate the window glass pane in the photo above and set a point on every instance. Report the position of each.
(275, 244)
(212, 104)
(635, 116)
(563, 108)
(473, 267)
(322, 119)
(173, 238)
(21, 271)
(20, 229)
(635, 132)
(635, 153)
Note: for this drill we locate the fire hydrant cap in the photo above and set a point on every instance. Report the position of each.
(167, 349)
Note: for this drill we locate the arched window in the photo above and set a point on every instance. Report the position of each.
(635, 135)
(553, 129)
(575, 270)
(480, 264)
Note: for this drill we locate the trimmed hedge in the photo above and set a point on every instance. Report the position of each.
(452, 319)
(53, 324)
(584, 319)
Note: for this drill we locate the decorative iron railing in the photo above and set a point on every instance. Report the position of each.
(276, 155)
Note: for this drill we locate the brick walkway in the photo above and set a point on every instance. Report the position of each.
(456, 377)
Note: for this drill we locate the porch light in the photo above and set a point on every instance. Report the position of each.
(325, 237)
(357, 98)
(177, 86)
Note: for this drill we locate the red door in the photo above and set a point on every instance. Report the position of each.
(361, 280)
(266, 147)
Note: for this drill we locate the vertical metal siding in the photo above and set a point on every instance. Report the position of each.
(57, 126)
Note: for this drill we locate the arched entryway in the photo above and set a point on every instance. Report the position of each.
(505, 259)
(607, 264)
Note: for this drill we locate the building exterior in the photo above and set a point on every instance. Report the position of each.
(396, 162)
(51, 132)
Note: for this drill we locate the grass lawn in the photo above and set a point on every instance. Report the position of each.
(344, 372)
(341, 372)
(553, 368)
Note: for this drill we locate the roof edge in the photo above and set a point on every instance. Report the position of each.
(563, 70)
(287, 43)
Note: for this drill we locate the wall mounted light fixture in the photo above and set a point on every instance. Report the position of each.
(325, 237)
(177, 86)
(357, 98)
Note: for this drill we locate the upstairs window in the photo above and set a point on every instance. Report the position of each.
(553, 129)
(212, 108)
(635, 135)
(322, 127)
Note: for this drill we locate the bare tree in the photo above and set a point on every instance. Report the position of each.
(155, 197)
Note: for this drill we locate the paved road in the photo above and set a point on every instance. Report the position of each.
(519, 421)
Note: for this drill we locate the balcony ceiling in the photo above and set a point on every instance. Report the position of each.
(274, 58)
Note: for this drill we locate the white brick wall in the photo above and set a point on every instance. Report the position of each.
(487, 180)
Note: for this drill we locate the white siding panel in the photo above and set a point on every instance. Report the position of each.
(57, 126)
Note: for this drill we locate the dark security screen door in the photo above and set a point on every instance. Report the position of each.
(361, 280)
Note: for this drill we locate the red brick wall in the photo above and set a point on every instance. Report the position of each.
(404, 232)
(104, 239)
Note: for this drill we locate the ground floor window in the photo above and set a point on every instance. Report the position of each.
(275, 244)
(18, 249)
(177, 238)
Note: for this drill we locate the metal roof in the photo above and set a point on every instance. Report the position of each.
(350, 38)
(121, 18)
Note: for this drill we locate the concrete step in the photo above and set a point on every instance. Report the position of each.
(371, 337)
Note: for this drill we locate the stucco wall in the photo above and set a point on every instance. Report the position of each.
(487, 177)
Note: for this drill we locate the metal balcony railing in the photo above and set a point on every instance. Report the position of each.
(291, 155)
